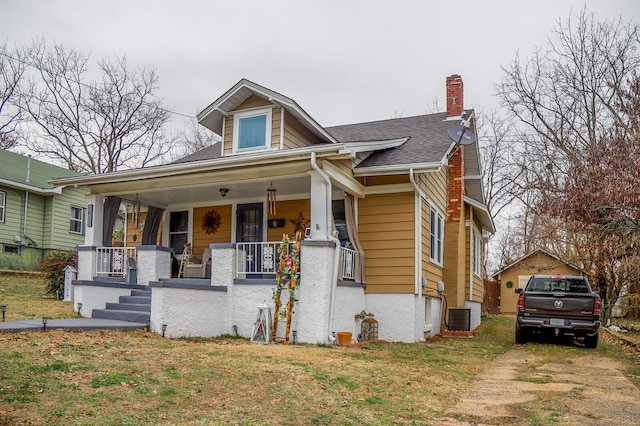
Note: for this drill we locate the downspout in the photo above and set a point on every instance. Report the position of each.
(334, 272)
(472, 246)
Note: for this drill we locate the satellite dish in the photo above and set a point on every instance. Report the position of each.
(461, 135)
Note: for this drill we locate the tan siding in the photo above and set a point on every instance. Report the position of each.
(385, 180)
(435, 186)
(296, 135)
(288, 210)
(253, 101)
(275, 128)
(431, 271)
(228, 135)
(132, 230)
(386, 230)
(201, 239)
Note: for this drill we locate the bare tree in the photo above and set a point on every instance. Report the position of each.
(11, 72)
(93, 126)
(579, 176)
(193, 139)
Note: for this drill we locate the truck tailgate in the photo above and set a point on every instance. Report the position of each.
(545, 304)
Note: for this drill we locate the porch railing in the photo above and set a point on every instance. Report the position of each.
(260, 258)
(348, 263)
(112, 261)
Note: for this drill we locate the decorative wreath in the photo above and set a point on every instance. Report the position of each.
(211, 221)
(509, 284)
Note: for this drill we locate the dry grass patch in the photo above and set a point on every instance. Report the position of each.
(26, 298)
(141, 378)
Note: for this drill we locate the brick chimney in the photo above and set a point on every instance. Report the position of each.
(454, 96)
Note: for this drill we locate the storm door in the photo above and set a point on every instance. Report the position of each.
(249, 235)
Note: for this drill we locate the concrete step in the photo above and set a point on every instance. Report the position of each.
(128, 307)
(135, 300)
(143, 293)
(131, 316)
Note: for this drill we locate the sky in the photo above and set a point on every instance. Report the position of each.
(342, 61)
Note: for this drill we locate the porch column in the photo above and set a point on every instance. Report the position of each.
(93, 233)
(154, 263)
(86, 263)
(316, 294)
(320, 207)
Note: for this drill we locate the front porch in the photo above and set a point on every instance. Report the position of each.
(242, 278)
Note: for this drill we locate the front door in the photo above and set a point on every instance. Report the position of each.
(249, 230)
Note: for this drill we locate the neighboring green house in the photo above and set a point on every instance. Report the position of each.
(35, 216)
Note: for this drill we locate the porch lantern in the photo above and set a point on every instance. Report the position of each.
(262, 327)
(271, 199)
(369, 328)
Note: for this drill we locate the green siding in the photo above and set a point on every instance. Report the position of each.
(47, 225)
(61, 238)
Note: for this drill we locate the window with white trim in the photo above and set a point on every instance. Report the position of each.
(76, 219)
(252, 130)
(178, 230)
(477, 251)
(436, 231)
(3, 203)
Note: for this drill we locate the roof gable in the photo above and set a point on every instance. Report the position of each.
(213, 115)
(534, 253)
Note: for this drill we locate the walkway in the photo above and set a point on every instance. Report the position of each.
(69, 324)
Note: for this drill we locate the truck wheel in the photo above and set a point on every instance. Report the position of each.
(591, 341)
(521, 336)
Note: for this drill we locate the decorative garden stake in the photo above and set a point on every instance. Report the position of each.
(262, 327)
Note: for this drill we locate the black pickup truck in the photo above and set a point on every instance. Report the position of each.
(558, 305)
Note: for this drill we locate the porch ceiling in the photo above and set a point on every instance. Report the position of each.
(209, 193)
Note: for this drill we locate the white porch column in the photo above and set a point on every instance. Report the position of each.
(86, 263)
(317, 286)
(93, 233)
(320, 207)
(154, 262)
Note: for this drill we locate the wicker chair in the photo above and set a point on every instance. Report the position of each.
(198, 270)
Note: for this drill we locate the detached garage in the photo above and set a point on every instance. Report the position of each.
(517, 274)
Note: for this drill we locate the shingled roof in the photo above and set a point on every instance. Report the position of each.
(428, 141)
(14, 171)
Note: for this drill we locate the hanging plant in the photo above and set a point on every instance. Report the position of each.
(211, 221)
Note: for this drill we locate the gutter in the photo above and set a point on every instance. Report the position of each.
(197, 166)
(397, 169)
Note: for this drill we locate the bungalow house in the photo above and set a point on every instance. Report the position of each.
(517, 274)
(391, 213)
(36, 216)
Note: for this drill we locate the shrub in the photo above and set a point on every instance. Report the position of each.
(53, 265)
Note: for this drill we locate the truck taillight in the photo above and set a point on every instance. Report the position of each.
(597, 306)
(521, 302)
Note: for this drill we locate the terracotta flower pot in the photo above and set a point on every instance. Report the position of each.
(344, 338)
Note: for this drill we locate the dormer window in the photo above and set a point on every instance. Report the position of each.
(252, 130)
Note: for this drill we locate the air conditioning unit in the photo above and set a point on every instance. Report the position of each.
(459, 319)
